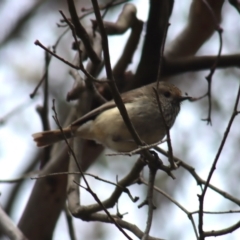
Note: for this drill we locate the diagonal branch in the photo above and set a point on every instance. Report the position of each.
(201, 197)
(81, 32)
(88, 188)
(112, 83)
(8, 228)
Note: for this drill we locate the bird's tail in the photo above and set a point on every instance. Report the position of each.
(47, 138)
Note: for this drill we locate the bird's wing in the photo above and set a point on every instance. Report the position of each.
(92, 114)
(127, 97)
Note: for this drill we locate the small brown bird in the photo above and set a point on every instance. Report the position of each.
(106, 126)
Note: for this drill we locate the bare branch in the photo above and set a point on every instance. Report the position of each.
(199, 180)
(138, 150)
(112, 83)
(201, 197)
(172, 66)
(151, 207)
(8, 228)
(88, 188)
(223, 231)
(124, 224)
(67, 62)
(71, 229)
(81, 32)
(189, 214)
(213, 68)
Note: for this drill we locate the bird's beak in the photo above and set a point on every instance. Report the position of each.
(180, 99)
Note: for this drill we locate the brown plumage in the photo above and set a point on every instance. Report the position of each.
(106, 126)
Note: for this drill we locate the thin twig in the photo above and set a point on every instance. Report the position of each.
(116, 95)
(201, 197)
(214, 66)
(199, 180)
(124, 224)
(104, 6)
(81, 33)
(43, 110)
(151, 207)
(138, 150)
(54, 47)
(218, 212)
(88, 188)
(202, 182)
(21, 178)
(72, 27)
(224, 231)
(38, 43)
(124, 189)
(117, 205)
(33, 94)
(161, 53)
(94, 195)
(112, 83)
(194, 99)
(69, 219)
(90, 10)
(189, 214)
(110, 202)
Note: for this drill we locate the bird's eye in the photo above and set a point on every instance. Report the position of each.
(167, 94)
